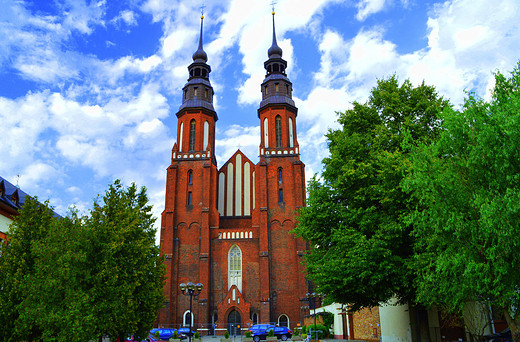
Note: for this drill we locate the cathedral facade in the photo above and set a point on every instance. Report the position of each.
(229, 228)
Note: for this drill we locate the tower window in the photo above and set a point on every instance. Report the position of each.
(276, 87)
(192, 134)
(280, 195)
(190, 177)
(280, 174)
(195, 91)
(287, 88)
(265, 89)
(189, 198)
(204, 73)
(197, 72)
(278, 122)
(206, 93)
(276, 67)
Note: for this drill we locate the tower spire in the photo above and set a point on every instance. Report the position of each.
(274, 51)
(200, 55)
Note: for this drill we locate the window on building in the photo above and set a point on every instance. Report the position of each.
(280, 195)
(195, 91)
(255, 318)
(189, 198)
(280, 175)
(235, 267)
(283, 320)
(190, 177)
(187, 318)
(206, 93)
(276, 87)
(192, 135)
(278, 122)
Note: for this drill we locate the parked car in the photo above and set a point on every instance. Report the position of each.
(165, 333)
(260, 327)
(186, 331)
(504, 336)
(281, 333)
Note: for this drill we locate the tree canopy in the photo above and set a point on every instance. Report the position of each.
(467, 223)
(355, 219)
(80, 278)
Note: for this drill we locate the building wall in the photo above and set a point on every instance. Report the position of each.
(395, 323)
(366, 323)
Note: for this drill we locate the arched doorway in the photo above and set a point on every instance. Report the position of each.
(234, 322)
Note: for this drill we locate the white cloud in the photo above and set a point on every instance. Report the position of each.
(367, 7)
(126, 16)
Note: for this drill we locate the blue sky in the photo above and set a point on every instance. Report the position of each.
(89, 89)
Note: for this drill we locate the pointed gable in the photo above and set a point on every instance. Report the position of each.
(236, 184)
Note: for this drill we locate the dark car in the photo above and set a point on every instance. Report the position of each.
(281, 333)
(186, 331)
(504, 336)
(260, 327)
(165, 333)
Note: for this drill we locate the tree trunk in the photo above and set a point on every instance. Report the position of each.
(514, 325)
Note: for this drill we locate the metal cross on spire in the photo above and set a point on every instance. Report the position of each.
(272, 4)
(202, 9)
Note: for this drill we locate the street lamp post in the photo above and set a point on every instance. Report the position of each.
(312, 305)
(189, 290)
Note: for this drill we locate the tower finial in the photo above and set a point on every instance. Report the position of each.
(200, 55)
(274, 50)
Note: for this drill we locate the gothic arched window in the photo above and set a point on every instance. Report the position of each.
(235, 267)
(278, 122)
(192, 135)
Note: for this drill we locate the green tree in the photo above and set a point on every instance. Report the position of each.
(18, 264)
(126, 267)
(361, 247)
(467, 224)
(77, 278)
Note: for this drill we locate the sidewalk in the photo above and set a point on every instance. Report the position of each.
(239, 339)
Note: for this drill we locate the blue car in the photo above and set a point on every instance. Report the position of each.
(260, 327)
(165, 333)
(186, 331)
(281, 333)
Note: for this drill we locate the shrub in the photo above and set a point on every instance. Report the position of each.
(296, 331)
(157, 334)
(324, 331)
(248, 333)
(270, 333)
(304, 336)
(197, 334)
(175, 335)
(226, 334)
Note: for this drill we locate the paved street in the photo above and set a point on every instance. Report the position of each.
(239, 339)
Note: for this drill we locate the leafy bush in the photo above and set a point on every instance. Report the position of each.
(296, 331)
(324, 331)
(157, 334)
(226, 334)
(248, 333)
(270, 333)
(197, 334)
(304, 336)
(175, 335)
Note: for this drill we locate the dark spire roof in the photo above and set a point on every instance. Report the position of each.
(274, 51)
(200, 55)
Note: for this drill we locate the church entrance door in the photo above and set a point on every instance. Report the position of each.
(234, 323)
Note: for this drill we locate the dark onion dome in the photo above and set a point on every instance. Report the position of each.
(274, 51)
(200, 55)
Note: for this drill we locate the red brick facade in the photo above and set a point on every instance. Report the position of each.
(229, 228)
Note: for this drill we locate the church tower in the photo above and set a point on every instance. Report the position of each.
(190, 207)
(229, 228)
(281, 188)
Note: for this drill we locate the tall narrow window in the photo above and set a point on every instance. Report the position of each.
(278, 122)
(192, 135)
(266, 133)
(276, 87)
(235, 267)
(280, 195)
(189, 198)
(280, 175)
(190, 177)
(195, 89)
(180, 136)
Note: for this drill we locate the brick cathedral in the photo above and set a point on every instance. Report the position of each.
(229, 228)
